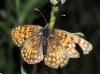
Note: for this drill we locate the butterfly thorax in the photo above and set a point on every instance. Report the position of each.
(46, 34)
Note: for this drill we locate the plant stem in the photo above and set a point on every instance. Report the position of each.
(53, 16)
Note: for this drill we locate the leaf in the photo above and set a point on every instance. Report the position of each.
(3, 14)
(22, 70)
(79, 34)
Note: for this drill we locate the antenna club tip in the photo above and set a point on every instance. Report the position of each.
(36, 9)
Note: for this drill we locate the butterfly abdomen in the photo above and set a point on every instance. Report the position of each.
(46, 33)
(44, 45)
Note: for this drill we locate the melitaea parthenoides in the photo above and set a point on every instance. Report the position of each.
(57, 45)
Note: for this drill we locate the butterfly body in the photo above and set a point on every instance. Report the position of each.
(45, 37)
(57, 45)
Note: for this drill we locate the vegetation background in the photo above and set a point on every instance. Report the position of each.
(81, 16)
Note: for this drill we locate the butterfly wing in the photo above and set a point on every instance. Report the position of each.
(22, 33)
(55, 56)
(27, 35)
(68, 41)
(32, 51)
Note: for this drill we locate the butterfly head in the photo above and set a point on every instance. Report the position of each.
(47, 26)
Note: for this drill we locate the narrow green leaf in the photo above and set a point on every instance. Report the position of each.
(22, 70)
(79, 34)
(3, 14)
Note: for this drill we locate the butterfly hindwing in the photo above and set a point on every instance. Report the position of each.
(32, 51)
(55, 56)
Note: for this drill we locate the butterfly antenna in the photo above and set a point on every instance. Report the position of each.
(41, 14)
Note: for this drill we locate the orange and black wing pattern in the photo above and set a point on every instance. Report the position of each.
(22, 33)
(27, 35)
(68, 41)
(55, 56)
(32, 50)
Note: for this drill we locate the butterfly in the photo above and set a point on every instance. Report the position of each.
(55, 46)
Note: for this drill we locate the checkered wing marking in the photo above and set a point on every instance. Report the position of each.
(32, 51)
(68, 41)
(55, 56)
(22, 33)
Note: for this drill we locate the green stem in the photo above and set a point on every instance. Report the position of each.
(53, 16)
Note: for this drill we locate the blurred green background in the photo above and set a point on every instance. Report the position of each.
(81, 16)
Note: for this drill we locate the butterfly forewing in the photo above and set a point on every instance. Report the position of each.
(32, 51)
(68, 40)
(55, 56)
(22, 33)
